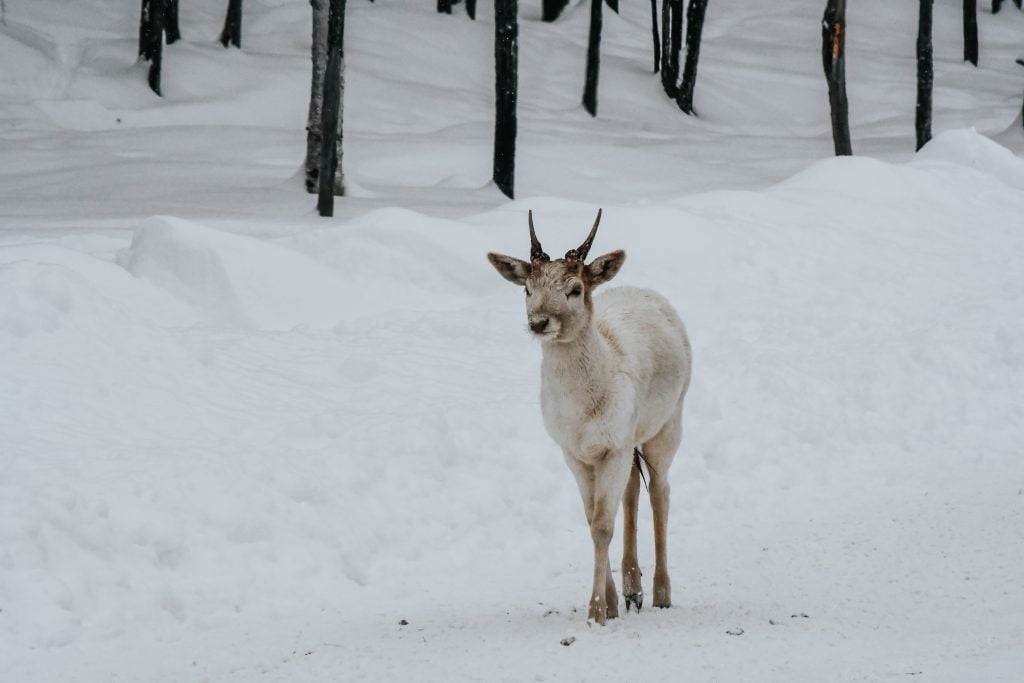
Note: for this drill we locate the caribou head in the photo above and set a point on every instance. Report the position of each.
(558, 293)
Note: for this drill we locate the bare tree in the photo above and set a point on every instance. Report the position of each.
(471, 9)
(444, 6)
(971, 31)
(506, 87)
(923, 118)
(669, 73)
(314, 123)
(833, 55)
(694, 29)
(232, 33)
(171, 29)
(551, 9)
(655, 36)
(998, 5)
(331, 176)
(151, 39)
(1021, 62)
(593, 59)
(675, 42)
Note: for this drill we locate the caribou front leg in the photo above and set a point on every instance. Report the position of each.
(610, 475)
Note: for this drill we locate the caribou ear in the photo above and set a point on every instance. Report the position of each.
(512, 269)
(604, 268)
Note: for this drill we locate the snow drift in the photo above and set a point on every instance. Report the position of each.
(241, 443)
(174, 474)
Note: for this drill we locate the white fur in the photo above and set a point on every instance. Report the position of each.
(618, 385)
(613, 379)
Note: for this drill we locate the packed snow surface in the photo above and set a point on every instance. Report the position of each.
(242, 443)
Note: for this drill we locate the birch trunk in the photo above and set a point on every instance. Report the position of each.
(314, 131)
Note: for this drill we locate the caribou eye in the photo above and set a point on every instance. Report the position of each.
(575, 291)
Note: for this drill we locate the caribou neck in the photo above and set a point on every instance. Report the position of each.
(581, 369)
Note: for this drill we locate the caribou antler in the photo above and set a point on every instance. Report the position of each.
(536, 252)
(580, 252)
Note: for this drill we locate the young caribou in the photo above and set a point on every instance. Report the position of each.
(614, 374)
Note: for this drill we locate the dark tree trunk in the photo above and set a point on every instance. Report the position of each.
(1021, 62)
(314, 134)
(668, 75)
(655, 36)
(551, 9)
(232, 33)
(613, 5)
(971, 31)
(833, 56)
(593, 59)
(334, 88)
(923, 119)
(506, 55)
(151, 39)
(171, 28)
(694, 28)
(444, 6)
(676, 39)
(996, 6)
(471, 9)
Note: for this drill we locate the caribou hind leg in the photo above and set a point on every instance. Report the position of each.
(632, 589)
(659, 453)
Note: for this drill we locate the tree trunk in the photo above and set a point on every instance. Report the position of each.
(668, 76)
(613, 5)
(171, 28)
(471, 9)
(923, 119)
(971, 31)
(314, 130)
(232, 33)
(331, 175)
(444, 6)
(151, 40)
(833, 56)
(593, 59)
(551, 9)
(676, 41)
(655, 36)
(996, 6)
(694, 29)
(506, 55)
(1021, 62)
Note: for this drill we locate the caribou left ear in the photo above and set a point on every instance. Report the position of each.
(604, 268)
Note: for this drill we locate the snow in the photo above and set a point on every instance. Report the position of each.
(245, 443)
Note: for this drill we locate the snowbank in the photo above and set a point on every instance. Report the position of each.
(243, 443)
(238, 280)
(238, 447)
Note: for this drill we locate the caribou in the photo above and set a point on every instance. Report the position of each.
(614, 374)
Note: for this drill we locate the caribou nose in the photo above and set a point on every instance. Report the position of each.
(539, 325)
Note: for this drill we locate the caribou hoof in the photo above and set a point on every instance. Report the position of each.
(636, 599)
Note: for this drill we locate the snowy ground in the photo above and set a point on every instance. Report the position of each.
(243, 443)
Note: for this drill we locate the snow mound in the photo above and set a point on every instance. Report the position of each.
(239, 280)
(967, 147)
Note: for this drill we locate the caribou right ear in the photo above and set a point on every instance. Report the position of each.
(512, 269)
